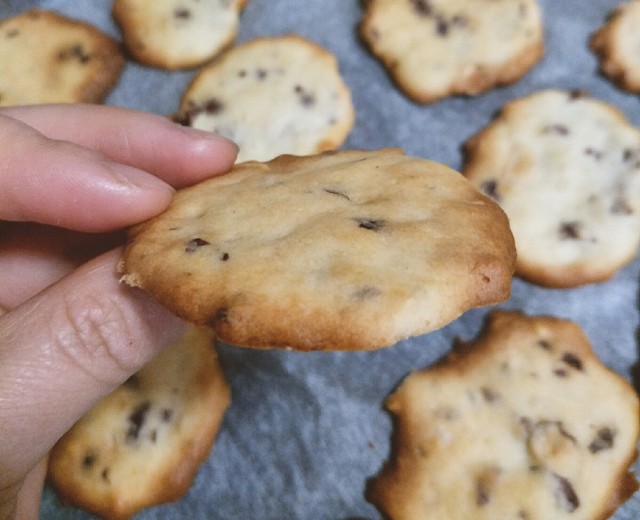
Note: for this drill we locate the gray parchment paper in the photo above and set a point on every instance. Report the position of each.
(305, 431)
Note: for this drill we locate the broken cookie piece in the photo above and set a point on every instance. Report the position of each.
(495, 431)
(348, 250)
(143, 444)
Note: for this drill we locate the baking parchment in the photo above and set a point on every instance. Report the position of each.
(305, 431)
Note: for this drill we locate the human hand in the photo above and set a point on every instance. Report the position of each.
(71, 178)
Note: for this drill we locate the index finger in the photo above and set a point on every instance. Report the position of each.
(178, 155)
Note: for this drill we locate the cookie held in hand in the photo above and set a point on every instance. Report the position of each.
(523, 422)
(342, 250)
(46, 57)
(143, 444)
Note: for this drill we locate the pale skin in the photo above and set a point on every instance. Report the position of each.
(72, 178)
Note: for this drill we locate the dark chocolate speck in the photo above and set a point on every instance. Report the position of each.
(603, 440)
(370, 224)
(194, 244)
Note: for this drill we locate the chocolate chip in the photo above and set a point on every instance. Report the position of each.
(166, 415)
(213, 106)
(631, 155)
(105, 475)
(482, 495)
(544, 344)
(137, 419)
(366, 293)
(89, 460)
(603, 440)
(572, 360)
(569, 230)
(307, 99)
(194, 244)
(577, 94)
(489, 395)
(442, 26)
(566, 497)
(370, 224)
(422, 7)
(620, 206)
(182, 12)
(224, 257)
(484, 485)
(490, 188)
(334, 191)
(556, 129)
(560, 372)
(75, 52)
(596, 154)
(261, 73)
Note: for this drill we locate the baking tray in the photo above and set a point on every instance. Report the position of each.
(305, 431)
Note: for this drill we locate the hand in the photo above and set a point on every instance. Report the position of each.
(71, 178)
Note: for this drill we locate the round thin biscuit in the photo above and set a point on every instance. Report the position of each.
(566, 170)
(173, 34)
(523, 422)
(438, 48)
(616, 43)
(143, 444)
(343, 250)
(272, 96)
(46, 57)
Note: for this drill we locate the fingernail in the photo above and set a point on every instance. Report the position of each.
(130, 177)
(197, 133)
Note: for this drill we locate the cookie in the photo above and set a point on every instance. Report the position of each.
(438, 48)
(524, 422)
(143, 444)
(174, 34)
(46, 57)
(616, 44)
(338, 251)
(566, 170)
(272, 96)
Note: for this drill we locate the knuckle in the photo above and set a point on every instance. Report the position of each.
(95, 336)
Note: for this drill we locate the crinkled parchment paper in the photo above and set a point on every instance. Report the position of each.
(306, 430)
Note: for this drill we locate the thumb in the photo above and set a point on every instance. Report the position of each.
(66, 348)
